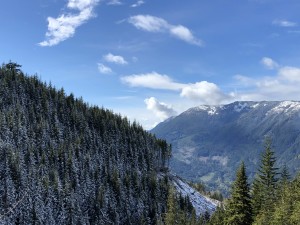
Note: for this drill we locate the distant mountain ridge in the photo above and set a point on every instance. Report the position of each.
(209, 141)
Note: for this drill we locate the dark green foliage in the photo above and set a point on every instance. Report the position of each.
(180, 210)
(201, 188)
(239, 209)
(63, 161)
(274, 202)
(218, 217)
(265, 184)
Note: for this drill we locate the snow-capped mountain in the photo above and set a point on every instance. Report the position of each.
(210, 141)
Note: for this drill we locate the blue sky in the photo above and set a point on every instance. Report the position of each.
(150, 60)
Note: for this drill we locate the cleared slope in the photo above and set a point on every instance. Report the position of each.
(201, 203)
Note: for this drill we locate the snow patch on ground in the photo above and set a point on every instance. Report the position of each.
(200, 202)
(255, 105)
(211, 110)
(240, 106)
(287, 107)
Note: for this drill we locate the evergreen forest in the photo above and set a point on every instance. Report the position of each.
(272, 199)
(63, 161)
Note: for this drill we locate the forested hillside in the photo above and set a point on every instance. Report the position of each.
(63, 161)
(208, 142)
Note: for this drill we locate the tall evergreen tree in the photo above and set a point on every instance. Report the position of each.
(239, 209)
(170, 217)
(265, 184)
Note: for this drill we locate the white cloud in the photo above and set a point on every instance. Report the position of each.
(204, 91)
(184, 34)
(244, 80)
(64, 26)
(115, 59)
(104, 69)
(114, 2)
(269, 63)
(81, 4)
(156, 24)
(152, 80)
(149, 23)
(284, 85)
(284, 23)
(291, 74)
(138, 3)
(160, 109)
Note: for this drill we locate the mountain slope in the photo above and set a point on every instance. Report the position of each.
(201, 203)
(209, 141)
(65, 162)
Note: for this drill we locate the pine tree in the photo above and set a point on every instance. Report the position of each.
(218, 217)
(170, 217)
(285, 175)
(264, 186)
(256, 196)
(239, 209)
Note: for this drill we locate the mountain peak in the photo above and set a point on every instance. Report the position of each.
(209, 141)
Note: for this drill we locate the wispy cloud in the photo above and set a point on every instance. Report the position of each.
(284, 23)
(149, 23)
(290, 74)
(203, 91)
(160, 109)
(104, 69)
(269, 63)
(156, 24)
(138, 3)
(114, 2)
(64, 26)
(115, 59)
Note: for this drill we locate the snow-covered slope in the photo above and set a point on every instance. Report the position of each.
(201, 203)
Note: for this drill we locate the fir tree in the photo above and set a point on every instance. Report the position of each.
(170, 217)
(218, 217)
(264, 186)
(239, 210)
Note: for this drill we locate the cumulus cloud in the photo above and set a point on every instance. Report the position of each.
(104, 69)
(284, 85)
(115, 59)
(269, 63)
(284, 23)
(137, 4)
(64, 26)
(156, 24)
(204, 91)
(160, 109)
(152, 80)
